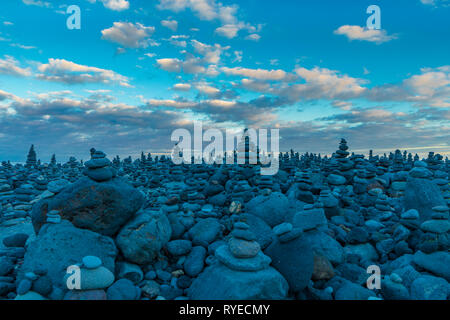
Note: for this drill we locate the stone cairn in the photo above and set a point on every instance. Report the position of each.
(146, 229)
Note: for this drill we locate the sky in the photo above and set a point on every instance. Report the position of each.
(137, 70)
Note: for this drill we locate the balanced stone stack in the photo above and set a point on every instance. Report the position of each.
(436, 231)
(292, 256)
(198, 231)
(94, 280)
(345, 164)
(41, 183)
(99, 168)
(242, 272)
(330, 203)
(31, 158)
(304, 183)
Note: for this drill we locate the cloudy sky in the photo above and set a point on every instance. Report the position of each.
(138, 69)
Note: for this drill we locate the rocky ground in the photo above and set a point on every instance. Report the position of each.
(147, 229)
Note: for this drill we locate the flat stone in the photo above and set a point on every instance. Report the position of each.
(411, 214)
(436, 226)
(336, 180)
(243, 248)
(429, 288)
(437, 263)
(179, 247)
(91, 262)
(99, 278)
(57, 185)
(243, 234)
(282, 228)
(259, 262)
(30, 295)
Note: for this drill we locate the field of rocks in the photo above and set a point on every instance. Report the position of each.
(146, 229)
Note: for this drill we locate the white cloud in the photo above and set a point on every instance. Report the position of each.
(259, 74)
(21, 46)
(171, 24)
(364, 34)
(37, 3)
(128, 34)
(430, 88)
(8, 23)
(5, 95)
(171, 103)
(182, 87)
(254, 85)
(207, 89)
(253, 37)
(326, 83)
(10, 66)
(212, 10)
(435, 3)
(210, 53)
(116, 5)
(237, 56)
(170, 64)
(60, 70)
(229, 31)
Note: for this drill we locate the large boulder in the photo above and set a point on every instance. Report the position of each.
(142, 238)
(58, 246)
(430, 288)
(272, 208)
(294, 260)
(324, 245)
(264, 234)
(101, 207)
(205, 231)
(218, 282)
(422, 195)
(437, 263)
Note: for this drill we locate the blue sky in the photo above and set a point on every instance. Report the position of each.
(138, 69)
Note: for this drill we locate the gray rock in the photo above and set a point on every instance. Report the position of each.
(352, 291)
(130, 271)
(429, 288)
(195, 261)
(310, 219)
(179, 247)
(262, 231)
(16, 240)
(142, 238)
(422, 195)
(59, 246)
(366, 251)
(24, 286)
(324, 245)
(100, 207)
(258, 262)
(43, 285)
(272, 208)
(294, 260)
(436, 226)
(91, 262)
(205, 232)
(122, 289)
(218, 282)
(394, 291)
(6, 266)
(437, 263)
